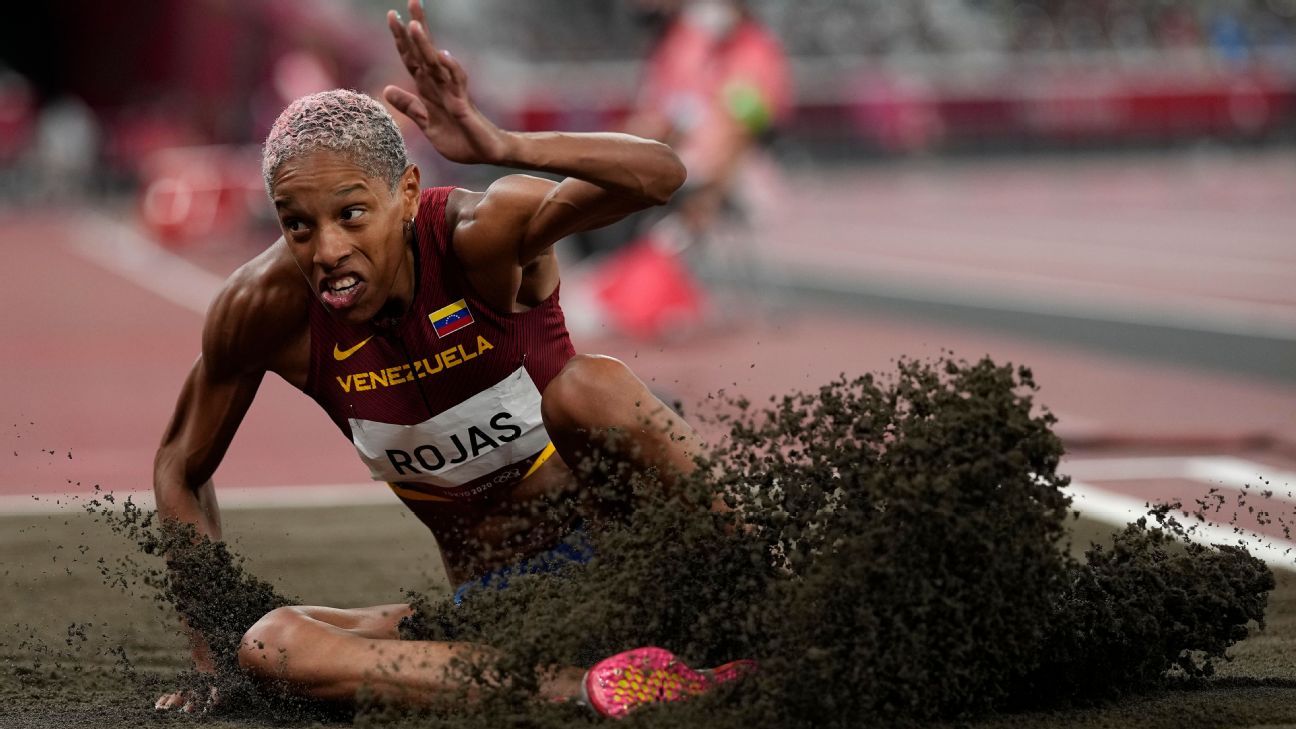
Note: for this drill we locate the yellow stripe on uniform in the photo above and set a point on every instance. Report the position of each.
(540, 459)
(413, 495)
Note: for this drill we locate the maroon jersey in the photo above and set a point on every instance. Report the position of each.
(447, 404)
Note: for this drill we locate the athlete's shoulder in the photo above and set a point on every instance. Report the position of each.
(487, 223)
(510, 195)
(262, 308)
(460, 204)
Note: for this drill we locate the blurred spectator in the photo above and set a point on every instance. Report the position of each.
(17, 115)
(1228, 37)
(1177, 27)
(66, 154)
(17, 120)
(716, 84)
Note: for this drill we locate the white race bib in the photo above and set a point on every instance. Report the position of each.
(496, 427)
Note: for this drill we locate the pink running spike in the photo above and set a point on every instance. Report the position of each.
(617, 685)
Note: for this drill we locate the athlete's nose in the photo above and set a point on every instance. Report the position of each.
(332, 248)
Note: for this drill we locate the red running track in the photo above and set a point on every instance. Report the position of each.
(92, 361)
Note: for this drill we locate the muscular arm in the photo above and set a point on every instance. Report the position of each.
(215, 397)
(255, 324)
(207, 414)
(608, 175)
(638, 169)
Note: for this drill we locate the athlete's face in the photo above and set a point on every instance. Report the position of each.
(347, 232)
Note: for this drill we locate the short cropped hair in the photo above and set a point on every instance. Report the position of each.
(349, 123)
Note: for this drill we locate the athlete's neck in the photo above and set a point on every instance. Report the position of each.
(404, 290)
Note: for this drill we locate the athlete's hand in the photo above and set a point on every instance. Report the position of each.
(441, 108)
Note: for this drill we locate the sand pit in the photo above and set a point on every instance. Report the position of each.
(900, 556)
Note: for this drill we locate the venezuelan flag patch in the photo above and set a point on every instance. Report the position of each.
(450, 319)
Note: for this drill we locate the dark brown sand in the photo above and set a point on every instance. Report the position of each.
(381, 550)
(916, 578)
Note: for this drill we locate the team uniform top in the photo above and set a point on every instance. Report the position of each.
(446, 406)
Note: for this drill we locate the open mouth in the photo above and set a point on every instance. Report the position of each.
(341, 292)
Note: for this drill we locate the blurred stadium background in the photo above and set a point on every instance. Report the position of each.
(1105, 191)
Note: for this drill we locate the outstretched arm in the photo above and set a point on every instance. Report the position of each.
(207, 413)
(246, 319)
(215, 397)
(255, 324)
(608, 175)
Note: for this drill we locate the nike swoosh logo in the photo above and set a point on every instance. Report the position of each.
(341, 354)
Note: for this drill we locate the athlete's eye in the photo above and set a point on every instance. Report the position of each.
(293, 225)
(350, 215)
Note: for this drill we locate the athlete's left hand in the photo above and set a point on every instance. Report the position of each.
(441, 108)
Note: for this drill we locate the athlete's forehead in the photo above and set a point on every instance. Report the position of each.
(322, 172)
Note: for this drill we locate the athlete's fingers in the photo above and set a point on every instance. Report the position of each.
(443, 74)
(411, 53)
(423, 43)
(407, 104)
(403, 47)
(458, 75)
(169, 701)
(416, 11)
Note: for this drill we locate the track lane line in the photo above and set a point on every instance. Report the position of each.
(122, 250)
(1230, 472)
(1117, 509)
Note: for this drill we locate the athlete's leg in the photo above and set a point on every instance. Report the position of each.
(596, 403)
(380, 621)
(329, 654)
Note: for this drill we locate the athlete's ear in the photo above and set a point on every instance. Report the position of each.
(408, 190)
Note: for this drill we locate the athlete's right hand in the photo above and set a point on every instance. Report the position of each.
(188, 701)
(441, 107)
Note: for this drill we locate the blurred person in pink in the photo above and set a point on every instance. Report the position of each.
(716, 85)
